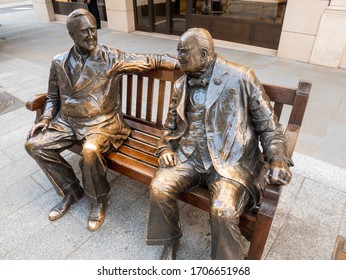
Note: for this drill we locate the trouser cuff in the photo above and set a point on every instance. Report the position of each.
(97, 199)
(73, 188)
(167, 241)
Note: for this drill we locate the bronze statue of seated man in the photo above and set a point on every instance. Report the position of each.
(84, 107)
(218, 113)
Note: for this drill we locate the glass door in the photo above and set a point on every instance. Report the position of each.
(161, 16)
(178, 18)
(143, 15)
(251, 22)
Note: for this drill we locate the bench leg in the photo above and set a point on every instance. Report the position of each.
(260, 235)
(264, 221)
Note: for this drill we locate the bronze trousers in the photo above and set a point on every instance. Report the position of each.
(46, 147)
(228, 200)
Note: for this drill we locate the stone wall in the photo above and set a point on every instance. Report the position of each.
(315, 31)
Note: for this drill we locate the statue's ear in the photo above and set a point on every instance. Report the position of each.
(204, 54)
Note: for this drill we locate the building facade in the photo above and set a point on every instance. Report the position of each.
(312, 31)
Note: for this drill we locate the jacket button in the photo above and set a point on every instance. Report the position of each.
(217, 81)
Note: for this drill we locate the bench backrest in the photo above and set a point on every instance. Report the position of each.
(146, 97)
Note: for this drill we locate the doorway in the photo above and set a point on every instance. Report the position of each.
(250, 22)
(161, 16)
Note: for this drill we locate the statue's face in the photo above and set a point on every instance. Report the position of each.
(189, 55)
(84, 34)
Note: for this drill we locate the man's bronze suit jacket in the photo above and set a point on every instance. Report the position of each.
(92, 105)
(238, 114)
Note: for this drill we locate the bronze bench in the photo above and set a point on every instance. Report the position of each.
(145, 99)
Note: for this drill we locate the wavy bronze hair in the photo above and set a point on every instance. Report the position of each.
(76, 14)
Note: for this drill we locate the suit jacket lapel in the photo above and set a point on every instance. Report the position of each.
(182, 101)
(92, 66)
(64, 75)
(217, 82)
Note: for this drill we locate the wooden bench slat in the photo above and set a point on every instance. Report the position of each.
(164, 75)
(278, 109)
(150, 96)
(138, 155)
(300, 103)
(139, 145)
(121, 89)
(131, 167)
(171, 93)
(143, 127)
(291, 133)
(144, 137)
(280, 94)
(129, 95)
(160, 103)
(139, 97)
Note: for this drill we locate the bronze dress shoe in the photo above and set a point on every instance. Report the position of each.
(62, 207)
(97, 216)
(169, 251)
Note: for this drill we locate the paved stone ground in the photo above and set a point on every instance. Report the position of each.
(311, 212)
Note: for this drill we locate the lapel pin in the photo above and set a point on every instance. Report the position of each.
(217, 81)
(232, 91)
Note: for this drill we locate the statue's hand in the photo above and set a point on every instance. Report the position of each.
(42, 124)
(168, 159)
(278, 173)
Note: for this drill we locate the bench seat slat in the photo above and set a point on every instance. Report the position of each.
(141, 126)
(131, 167)
(141, 146)
(144, 137)
(138, 155)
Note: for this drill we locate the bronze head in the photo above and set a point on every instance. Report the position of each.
(195, 51)
(81, 26)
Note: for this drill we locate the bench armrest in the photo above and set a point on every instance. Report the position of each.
(36, 102)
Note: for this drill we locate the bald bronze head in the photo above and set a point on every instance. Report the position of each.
(81, 26)
(196, 51)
